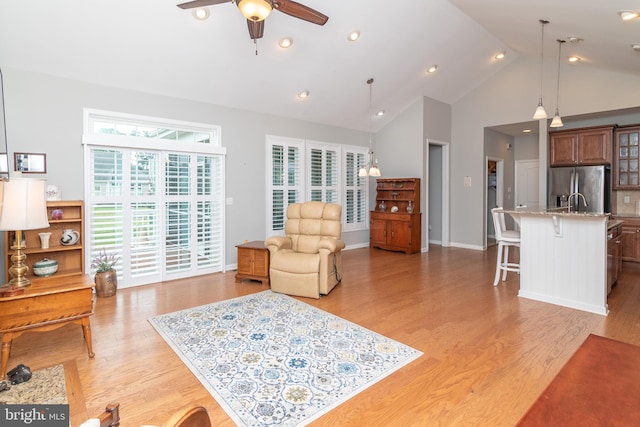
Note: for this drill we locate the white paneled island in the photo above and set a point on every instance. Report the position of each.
(563, 257)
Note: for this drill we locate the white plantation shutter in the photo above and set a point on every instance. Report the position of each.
(331, 176)
(210, 206)
(160, 210)
(355, 206)
(322, 170)
(284, 179)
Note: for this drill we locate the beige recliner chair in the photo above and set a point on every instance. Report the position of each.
(307, 262)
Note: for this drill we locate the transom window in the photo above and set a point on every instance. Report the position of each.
(159, 205)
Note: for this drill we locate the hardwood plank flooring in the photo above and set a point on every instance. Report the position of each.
(488, 354)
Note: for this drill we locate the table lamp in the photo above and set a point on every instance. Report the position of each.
(23, 206)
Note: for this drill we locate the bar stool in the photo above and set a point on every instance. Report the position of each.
(504, 238)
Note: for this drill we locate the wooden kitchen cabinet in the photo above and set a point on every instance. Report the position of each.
(253, 262)
(396, 223)
(630, 239)
(626, 174)
(583, 146)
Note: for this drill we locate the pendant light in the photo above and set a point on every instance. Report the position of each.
(372, 168)
(557, 120)
(540, 111)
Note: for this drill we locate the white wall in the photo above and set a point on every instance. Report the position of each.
(44, 114)
(511, 97)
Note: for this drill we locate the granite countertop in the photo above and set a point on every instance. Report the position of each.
(564, 212)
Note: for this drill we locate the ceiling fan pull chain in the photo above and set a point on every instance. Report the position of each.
(255, 42)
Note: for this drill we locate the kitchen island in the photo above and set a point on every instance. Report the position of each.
(563, 257)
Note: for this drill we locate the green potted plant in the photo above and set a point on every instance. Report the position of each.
(106, 277)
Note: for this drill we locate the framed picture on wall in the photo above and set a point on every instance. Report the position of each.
(31, 162)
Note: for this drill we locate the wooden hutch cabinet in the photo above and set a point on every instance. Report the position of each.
(584, 146)
(626, 174)
(396, 221)
(70, 258)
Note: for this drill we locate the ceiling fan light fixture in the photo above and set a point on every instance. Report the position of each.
(254, 10)
(285, 42)
(628, 15)
(201, 14)
(353, 35)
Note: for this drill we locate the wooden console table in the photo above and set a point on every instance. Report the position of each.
(46, 304)
(253, 262)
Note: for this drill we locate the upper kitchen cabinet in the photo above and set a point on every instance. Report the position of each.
(625, 171)
(584, 146)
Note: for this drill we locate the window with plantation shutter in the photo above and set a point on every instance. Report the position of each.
(284, 179)
(355, 204)
(160, 206)
(322, 172)
(331, 176)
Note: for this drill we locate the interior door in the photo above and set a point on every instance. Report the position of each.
(527, 183)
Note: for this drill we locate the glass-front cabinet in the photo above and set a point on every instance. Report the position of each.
(626, 171)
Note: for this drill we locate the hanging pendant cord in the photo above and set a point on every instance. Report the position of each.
(542, 22)
(560, 42)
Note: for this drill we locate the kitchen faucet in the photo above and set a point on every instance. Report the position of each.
(576, 194)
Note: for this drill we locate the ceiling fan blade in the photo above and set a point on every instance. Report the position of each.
(256, 29)
(201, 3)
(300, 11)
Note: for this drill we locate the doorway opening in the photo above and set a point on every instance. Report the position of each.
(494, 195)
(436, 191)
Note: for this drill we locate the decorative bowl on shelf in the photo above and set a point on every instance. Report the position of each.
(56, 214)
(45, 267)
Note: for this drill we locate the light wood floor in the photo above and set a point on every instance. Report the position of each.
(488, 354)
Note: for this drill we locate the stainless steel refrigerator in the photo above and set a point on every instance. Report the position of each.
(593, 182)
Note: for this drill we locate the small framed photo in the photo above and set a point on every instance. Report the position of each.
(54, 192)
(30, 162)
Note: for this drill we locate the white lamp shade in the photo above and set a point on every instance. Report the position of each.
(556, 122)
(374, 171)
(540, 113)
(23, 204)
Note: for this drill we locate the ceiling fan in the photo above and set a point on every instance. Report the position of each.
(257, 10)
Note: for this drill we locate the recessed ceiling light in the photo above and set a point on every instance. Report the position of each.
(353, 36)
(200, 13)
(628, 15)
(285, 42)
(432, 69)
(500, 55)
(636, 47)
(380, 113)
(573, 59)
(303, 94)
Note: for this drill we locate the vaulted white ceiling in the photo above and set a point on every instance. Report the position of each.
(153, 46)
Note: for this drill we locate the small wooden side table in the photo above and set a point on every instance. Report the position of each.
(253, 262)
(47, 304)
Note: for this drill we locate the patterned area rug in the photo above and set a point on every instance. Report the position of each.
(270, 360)
(46, 387)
